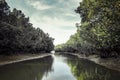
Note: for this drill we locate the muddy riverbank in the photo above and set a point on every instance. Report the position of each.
(111, 63)
(20, 57)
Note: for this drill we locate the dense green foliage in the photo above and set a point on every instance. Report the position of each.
(18, 35)
(99, 31)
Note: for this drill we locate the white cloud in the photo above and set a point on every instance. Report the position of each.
(56, 17)
(49, 22)
(60, 1)
(70, 14)
(38, 5)
(57, 28)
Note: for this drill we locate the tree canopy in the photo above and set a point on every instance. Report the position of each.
(99, 31)
(17, 34)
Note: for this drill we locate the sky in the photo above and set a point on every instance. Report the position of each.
(56, 17)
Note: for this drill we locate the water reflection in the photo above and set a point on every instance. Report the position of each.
(57, 67)
(28, 70)
(87, 70)
(61, 70)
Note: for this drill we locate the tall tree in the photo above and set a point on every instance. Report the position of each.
(17, 34)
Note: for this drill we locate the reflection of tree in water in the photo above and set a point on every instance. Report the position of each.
(28, 70)
(86, 70)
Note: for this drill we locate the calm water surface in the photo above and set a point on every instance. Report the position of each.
(57, 67)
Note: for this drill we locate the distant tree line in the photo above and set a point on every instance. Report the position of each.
(17, 34)
(99, 32)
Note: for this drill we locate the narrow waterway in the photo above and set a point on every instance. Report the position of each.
(57, 67)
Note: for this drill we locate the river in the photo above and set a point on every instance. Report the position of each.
(57, 67)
